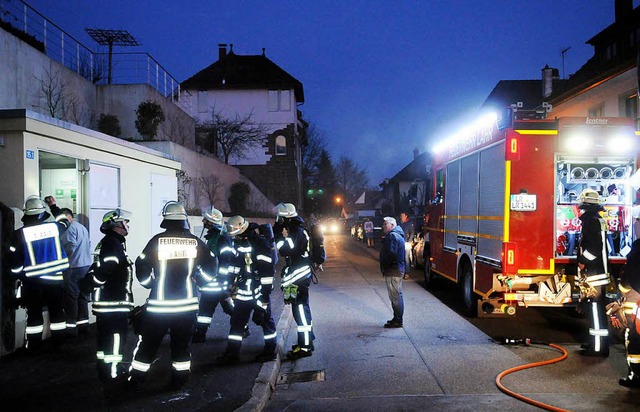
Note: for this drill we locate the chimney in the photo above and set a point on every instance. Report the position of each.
(624, 10)
(222, 51)
(549, 74)
(416, 152)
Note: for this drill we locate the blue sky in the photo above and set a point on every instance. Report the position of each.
(380, 77)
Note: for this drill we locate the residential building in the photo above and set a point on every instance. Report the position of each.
(408, 190)
(237, 86)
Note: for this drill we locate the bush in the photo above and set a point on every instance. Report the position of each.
(238, 196)
(149, 117)
(109, 124)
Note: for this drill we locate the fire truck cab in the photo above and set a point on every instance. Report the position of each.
(504, 223)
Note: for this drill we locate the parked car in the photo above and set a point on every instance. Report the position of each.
(331, 226)
(378, 231)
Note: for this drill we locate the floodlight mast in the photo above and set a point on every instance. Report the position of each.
(107, 37)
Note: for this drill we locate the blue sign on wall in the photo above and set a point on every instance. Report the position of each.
(30, 154)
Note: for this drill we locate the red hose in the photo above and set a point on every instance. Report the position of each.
(527, 366)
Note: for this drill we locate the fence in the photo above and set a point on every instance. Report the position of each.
(28, 24)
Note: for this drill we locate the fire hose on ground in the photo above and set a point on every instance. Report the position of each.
(504, 373)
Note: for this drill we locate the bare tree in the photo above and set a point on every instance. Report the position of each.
(226, 137)
(311, 154)
(210, 187)
(60, 100)
(184, 186)
(177, 129)
(350, 177)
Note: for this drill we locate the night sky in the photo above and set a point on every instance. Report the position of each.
(380, 77)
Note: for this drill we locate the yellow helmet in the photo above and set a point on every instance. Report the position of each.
(590, 197)
(236, 225)
(111, 219)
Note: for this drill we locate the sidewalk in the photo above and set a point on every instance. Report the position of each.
(438, 361)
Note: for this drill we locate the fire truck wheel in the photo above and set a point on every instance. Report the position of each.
(428, 274)
(469, 298)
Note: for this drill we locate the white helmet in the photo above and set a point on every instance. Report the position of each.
(286, 210)
(34, 206)
(236, 225)
(111, 219)
(214, 216)
(590, 197)
(173, 210)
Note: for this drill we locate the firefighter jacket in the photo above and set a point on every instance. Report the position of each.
(36, 252)
(295, 249)
(221, 246)
(593, 246)
(112, 276)
(253, 265)
(169, 265)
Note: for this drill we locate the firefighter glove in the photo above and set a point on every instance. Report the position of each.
(616, 314)
(290, 294)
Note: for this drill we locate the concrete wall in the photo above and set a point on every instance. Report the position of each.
(23, 73)
(199, 165)
(608, 93)
(123, 100)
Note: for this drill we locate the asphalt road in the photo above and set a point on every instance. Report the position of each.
(439, 360)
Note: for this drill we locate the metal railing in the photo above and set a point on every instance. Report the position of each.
(32, 27)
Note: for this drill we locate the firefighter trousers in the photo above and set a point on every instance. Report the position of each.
(598, 343)
(154, 327)
(38, 294)
(302, 315)
(207, 306)
(111, 336)
(632, 337)
(239, 319)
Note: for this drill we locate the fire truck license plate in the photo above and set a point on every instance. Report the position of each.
(523, 202)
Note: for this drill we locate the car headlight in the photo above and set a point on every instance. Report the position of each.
(323, 228)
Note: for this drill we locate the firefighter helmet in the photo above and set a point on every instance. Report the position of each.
(286, 210)
(173, 210)
(112, 218)
(214, 216)
(590, 197)
(34, 206)
(236, 225)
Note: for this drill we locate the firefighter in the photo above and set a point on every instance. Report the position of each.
(254, 279)
(37, 259)
(593, 273)
(168, 265)
(625, 315)
(292, 242)
(217, 291)
(111, 276)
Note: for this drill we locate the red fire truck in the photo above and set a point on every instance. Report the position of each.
(504, 221)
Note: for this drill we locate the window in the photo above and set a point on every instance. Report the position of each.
(597, 111)
(629, 106)
(281, 145)
(279, 100)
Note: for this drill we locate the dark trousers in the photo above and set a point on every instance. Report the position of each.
(38, 294)
(240, 317)
(111, 336)
(302, 315)
(207, 306)
(76, 303)
(598, 323)
(154, 327)
(632, 337)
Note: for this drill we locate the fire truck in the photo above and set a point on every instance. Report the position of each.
(504, 220)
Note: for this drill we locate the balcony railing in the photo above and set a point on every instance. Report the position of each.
(20, 19)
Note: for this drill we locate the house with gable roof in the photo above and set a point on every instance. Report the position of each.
(236, 86)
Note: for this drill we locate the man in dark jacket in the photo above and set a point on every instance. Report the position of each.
(392, 266)
(254, 276)
(37, 259)
(593, 273)
(171, 265)
(626, 315)
(217, 291)
(112, 276)
(292, 241)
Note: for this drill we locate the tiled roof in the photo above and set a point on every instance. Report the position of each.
(244, 72)
(508, 92)
(416, 169)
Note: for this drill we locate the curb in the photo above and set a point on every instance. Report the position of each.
(266, 379)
